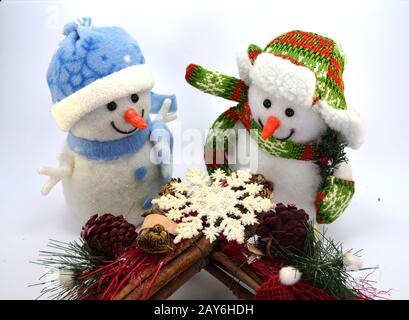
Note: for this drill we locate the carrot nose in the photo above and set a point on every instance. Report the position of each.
(270, 127)
(133, 117)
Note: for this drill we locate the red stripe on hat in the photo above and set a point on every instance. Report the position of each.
(335, 76)
(336, 64)
(308, 41)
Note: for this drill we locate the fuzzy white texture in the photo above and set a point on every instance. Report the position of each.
(346, 122)
(289, 276)
(218, 204)
(306, 123)
(352, 262)
(244, 65)
(122, 83)
(282, 79)
(96, 125)
(110, 186)
(295, 182)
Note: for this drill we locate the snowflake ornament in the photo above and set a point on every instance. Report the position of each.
(215, 205)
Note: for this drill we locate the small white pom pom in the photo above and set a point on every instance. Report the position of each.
(352, 262)
(289, 276)
(127, 58)
(66, 278)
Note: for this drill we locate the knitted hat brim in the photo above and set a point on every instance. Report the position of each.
(281, 78)
(125, 82)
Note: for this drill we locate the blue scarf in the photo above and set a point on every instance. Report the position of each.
(109, 150)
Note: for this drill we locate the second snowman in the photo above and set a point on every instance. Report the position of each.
(115, 158)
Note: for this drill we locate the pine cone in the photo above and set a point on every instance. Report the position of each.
(108, 235)
(286, 228)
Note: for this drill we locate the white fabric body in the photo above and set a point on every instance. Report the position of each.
(110, 186)
(295, 182)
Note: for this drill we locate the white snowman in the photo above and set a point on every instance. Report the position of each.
(115, 158)
(293, 111)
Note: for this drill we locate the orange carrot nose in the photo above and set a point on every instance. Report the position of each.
(133, 117)
(270, 127)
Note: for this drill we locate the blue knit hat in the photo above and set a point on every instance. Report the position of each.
(93, 66)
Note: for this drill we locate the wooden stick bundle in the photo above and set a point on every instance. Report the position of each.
(177, 283)
(135, 282)
(223, 262)
(238, 290)
(181, 265)
(195, 254)
(223, 269)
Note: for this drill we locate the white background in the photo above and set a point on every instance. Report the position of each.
(374, 36)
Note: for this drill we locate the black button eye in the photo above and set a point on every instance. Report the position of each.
(111, 106)
(289, 112)
(134, 98)
(267, 103)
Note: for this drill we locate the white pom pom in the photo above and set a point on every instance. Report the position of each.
(66, 278)
(352, 262)
(289, 276)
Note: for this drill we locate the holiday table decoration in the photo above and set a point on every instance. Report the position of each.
(101, 92)
(292, 107)
(224, 224)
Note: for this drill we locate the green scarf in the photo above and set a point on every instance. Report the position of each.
(273, 146)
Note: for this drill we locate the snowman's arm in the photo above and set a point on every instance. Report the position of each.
(216, 84)
(164, 115)
(57, 174)
(335, 195)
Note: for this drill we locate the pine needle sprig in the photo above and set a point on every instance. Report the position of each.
(331, 148)
(321, 264)
(91, 277)
(73, 258)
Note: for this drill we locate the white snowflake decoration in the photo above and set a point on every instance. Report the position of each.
(215, 200)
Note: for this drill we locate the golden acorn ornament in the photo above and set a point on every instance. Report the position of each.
(155, 240)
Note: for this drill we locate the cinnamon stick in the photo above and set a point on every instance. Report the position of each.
(184, 261)
(259, 279)
(222, 261)
(238, 290)
(176, 283)
(135, 282)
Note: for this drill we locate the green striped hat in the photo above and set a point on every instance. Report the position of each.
(306, 69)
